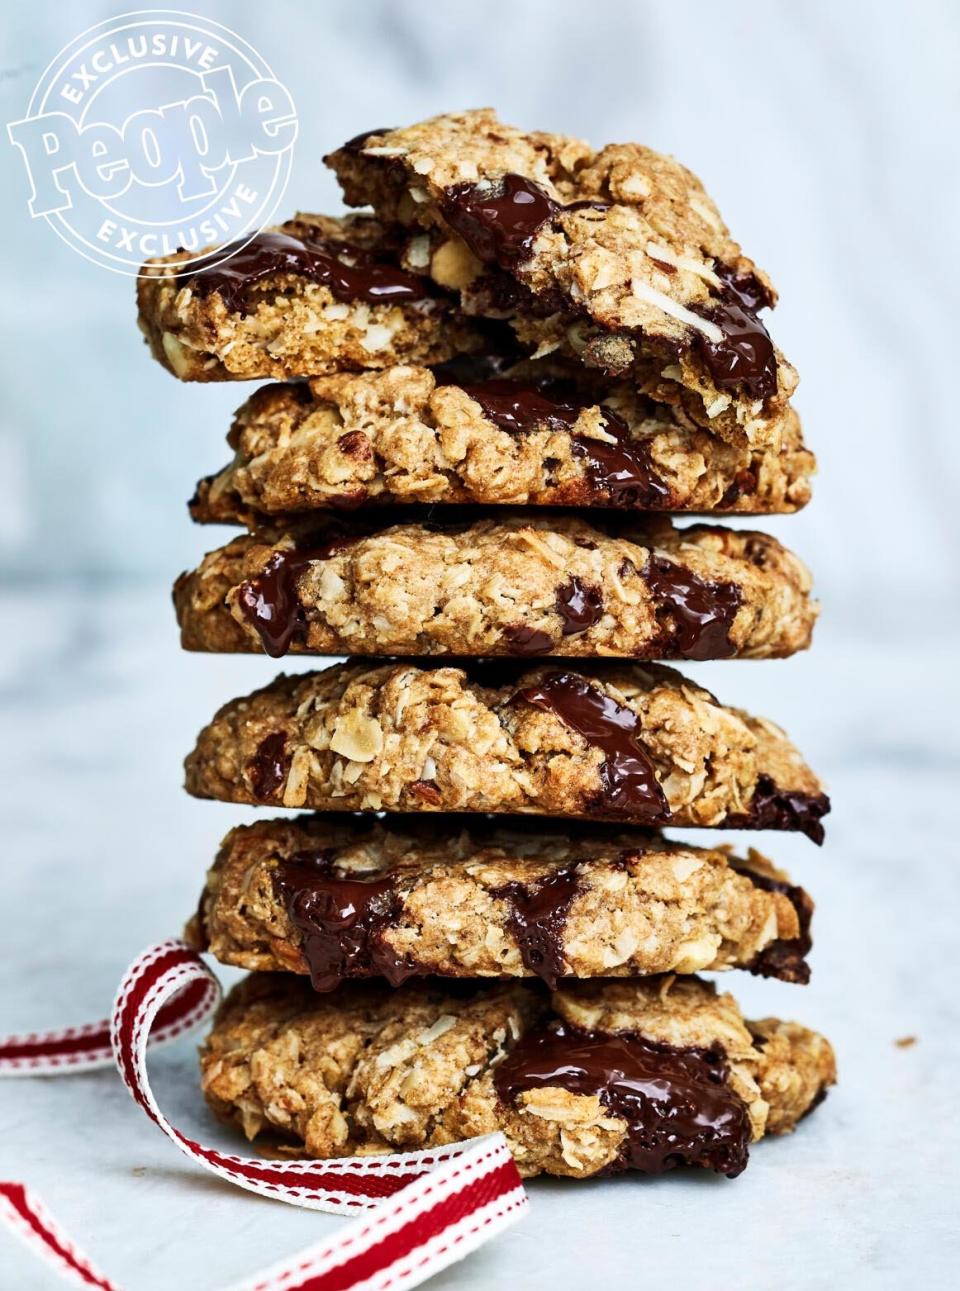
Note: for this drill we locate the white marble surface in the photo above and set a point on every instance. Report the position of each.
(825, 132)
(103, 854)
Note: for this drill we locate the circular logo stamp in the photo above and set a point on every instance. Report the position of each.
(153, 132)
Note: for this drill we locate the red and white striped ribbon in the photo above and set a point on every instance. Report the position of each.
(84, 1048)
(25, 1215)
(429, 1208)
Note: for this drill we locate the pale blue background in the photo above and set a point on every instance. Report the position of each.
(827, 132)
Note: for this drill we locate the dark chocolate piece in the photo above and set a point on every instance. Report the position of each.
(621, 472)
(518, 406)
(701, 614)
(774, 808)
(340, 920)
(785, 958)
(526, 642)
(747, 287)
(627, 775)
(580, 605)
(677, 1104)
(270, 600)
(537, 916)
(746, 355)
(349, 272)
(269, 767)
(499, 220)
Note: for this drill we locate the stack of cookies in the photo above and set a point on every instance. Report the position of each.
(492, 390)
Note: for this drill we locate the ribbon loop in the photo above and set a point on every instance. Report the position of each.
(427, 1209)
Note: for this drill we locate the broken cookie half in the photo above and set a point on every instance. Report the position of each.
(618, 258)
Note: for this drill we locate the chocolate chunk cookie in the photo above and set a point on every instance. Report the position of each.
(598, 1078)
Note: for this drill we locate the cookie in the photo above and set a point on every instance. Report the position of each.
(598, 1078)
(517, 584)
(611, 741)
(618, 257)
(346, 899)
(410, 435)
(313, 296)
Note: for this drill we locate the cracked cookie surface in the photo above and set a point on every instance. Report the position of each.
(613, 741)
(406, 436)
(343, 899)
(597, 1078)
(516, 585)
(618, 257)
(313, 296)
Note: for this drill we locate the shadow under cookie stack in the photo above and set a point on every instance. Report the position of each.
(491, 391)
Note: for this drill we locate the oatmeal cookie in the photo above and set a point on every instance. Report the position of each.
(348, 898)
(618, 257)
(411, 435)
(314, 295)
(612, 741)
(517, 584)
(646, 1075)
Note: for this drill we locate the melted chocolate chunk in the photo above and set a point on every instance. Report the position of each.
(701, 613)
(538, 915)
(270, 600)
(499, 221)
(349, 272)
(776, 808)
(745, 356)
(269, 767)
(785, 958)
(580, 605)
(526, 642)
(622, 472)
(341, 920)
(519, 406)
(627, 775)
(747, 288)
(677, 1105)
